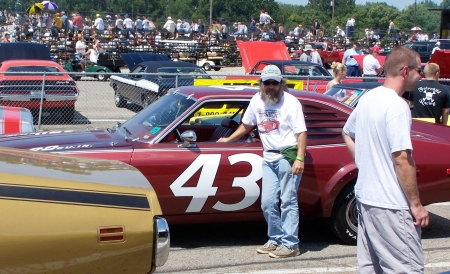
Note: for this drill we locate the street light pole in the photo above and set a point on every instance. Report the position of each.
(415, 11)
(210, 12)
(332, 18)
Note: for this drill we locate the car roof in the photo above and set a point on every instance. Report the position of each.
(134, 59)
(152, 66)
(358, 85)
(235, 92)
(288, 62)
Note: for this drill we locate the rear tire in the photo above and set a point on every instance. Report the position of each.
(119, 100)
(344, 219)
(216, 69)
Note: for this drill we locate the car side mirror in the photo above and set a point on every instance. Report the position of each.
(188, 137)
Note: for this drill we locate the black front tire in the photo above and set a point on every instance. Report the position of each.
(101, 75)
(207, 66)
(119, 100)
(216, 69)
(344, 219)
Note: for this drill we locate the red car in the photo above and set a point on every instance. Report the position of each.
(19, 87)
(199, 180)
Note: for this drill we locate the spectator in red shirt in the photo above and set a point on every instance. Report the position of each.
(78, 22)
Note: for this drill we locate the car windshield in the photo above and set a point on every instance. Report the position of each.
(305, 70)
(184, 70)
(32, 69)
(148, 123)
(347, 96)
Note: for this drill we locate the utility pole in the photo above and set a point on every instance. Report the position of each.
(210, 12)
(415, 11)
(332, 18)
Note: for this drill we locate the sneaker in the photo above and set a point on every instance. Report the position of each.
(283, 251)
(266, 248)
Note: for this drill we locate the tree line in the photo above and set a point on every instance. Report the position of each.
(374, 15)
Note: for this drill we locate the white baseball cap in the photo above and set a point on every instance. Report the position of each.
(271, 72)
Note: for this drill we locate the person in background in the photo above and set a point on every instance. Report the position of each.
(353, 69)
(6, 37)
(99, 24)
(78, 22)
(378, 136)
(306, 55)
(170, 27)
(339, 73)
(281, 177)
(431, 99)
(80, 49)
(436, 47)
(315, 55)
(371, 65)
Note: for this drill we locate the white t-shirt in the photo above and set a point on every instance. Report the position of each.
(119, 23)
(93, 57)
(99, 24)
(279, 125)
(80, 47)
(370, 65)
(381, 125)
(128, 23)
(145, 24)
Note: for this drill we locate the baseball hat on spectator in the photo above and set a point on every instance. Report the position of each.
(307, 47)
(63, 12)
(438, 43)
(7, 33)
(169, 18)
(126, 15)
(97, 15)
(357, 43)
(271, 72)
(178, 20)
(375, 49)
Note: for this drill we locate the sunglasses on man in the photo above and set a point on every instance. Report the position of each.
(271, 82)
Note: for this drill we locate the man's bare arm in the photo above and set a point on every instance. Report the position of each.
(444, 116)
(238, 133)
(405, 168)
(299, 166)
(350, 142)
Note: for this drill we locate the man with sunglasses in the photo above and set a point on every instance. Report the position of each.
(279, 118)
(377, 134)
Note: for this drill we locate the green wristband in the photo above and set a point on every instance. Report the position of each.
(300, 159)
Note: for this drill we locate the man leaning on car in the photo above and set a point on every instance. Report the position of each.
(281, 174)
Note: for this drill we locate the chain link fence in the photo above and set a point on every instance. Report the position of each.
(58, 103)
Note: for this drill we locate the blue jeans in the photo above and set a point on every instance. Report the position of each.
(279, 183)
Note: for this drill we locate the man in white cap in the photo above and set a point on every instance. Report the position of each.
(169, 26)
(436, 47)
(306, 55)
(281, 124)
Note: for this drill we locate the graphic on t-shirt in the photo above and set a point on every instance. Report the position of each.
(269, 120)
(428, 92)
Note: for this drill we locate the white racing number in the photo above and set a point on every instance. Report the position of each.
(209, 164)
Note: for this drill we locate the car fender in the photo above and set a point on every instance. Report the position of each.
(345, 175)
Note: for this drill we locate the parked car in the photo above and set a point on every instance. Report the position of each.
(143, 89)
(78, 215)
(197, 179)
(22, 80)
(425, 48)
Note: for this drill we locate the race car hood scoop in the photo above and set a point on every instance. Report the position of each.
(64, 140)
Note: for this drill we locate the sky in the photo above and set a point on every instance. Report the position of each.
(400, 4)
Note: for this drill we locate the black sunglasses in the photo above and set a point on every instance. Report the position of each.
(273, 83)
(419, 70)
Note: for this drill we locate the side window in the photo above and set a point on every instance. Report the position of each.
(213, 113)
(259, 68)
(324, 123)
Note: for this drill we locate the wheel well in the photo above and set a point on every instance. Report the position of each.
(340, 196)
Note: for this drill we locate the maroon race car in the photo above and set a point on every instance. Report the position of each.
(196, 179)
